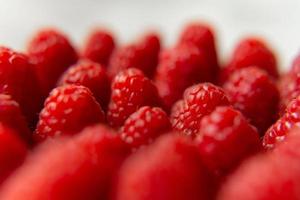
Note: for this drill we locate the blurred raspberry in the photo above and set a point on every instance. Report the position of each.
(142, 55)
(99, 46)
(178, 69)
(52, 53)
(256, 95)
(251, 52)
(202, 35)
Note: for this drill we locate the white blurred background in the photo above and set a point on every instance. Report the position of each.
(275, 20)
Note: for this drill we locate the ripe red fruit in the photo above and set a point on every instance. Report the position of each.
(18, 80)
(198, 101)
(76, 168)
(251, 52)
(12, 117)
(142, 55)
(178, 69)
(144, 126)
(130, 91)
(289, 84)
(256, 95)
(271, 176)
(170, 169)
(68, 110)
(12, 152)
(225, 139)
(202, 36)
(92, 76)
(99, 46)
(277, 132)
(51, 53)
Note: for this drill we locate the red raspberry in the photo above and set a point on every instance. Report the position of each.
(253, 93)
(99, 46)
(198, 101)
(271, 176)
(78, 168)
(18, 80)
(91, 75)
(52, 54)
(12, 117)
(289, 84)
(251, 52)
(144, 126)
(12, 152)
(130, 91)
(67, 110)
(170, 169)
(289, 89)
(226, 139)
(277, 132)
(202, 36)
(142, 55)
(178, 69)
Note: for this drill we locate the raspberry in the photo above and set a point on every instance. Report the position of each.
(289, 84)
(178, 69)
(253, 93)
(225, 139)
(142, 55)
(68, 110)
(99, 46)
(12, 152)
(18, 80)
(12, 117)
(289, 89)
(76, 168)
(277, 132)
(130, 91)
(92, 76)
(170, 169)
(198, 101)
(51, 53)
(144, 126)
(251, 52)
(202, 36)
(270, 176)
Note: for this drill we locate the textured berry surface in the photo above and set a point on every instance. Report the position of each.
(202, 36)
(273, 176)
(68, 110)
(278, 131)
(289, 88)
(99, 46)
(77, 168)
(198, 101)
(253, 93)
(92, 76)
(12, 117)
(289, 84)
(18, 80)
(225, 139)
(51, 53)
(248, 52)
(170, 169)
(142, 55)
(178, 69)
(12, 152)
(144, 126)
(130, 91)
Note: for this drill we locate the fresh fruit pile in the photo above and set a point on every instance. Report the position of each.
(142, 121)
